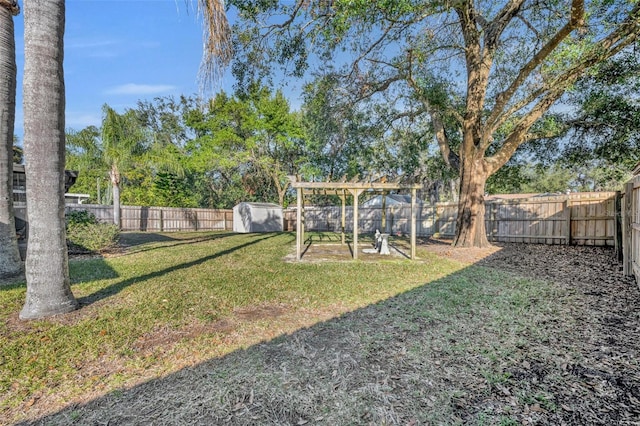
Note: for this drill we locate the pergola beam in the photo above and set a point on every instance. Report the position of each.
(323, 191)
(376, 186)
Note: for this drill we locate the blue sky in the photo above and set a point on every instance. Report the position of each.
(121, 51)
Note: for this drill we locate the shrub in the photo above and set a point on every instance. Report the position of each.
(78, 217)
(85, 233)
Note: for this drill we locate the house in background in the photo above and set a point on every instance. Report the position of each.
(71, 198)
(390, 200)
(20, 196)
(20, 183)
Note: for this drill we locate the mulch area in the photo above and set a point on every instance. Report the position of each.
(604, 387)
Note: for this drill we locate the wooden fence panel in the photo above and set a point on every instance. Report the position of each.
(583, 218)
(631, 228)
(102, 213)
(161, 219)
(398, 220)
(180, 220)
(135, 218)
(526, 221)
(213, 219)
(593, 217)
(446, 215)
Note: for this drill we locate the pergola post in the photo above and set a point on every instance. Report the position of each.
(383, 224)
(414, 214)
(356, 195)
(344, 215)
(299, 227)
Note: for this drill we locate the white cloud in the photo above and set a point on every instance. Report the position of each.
(76, 120)
(93, 48)
(89, 44)
(140, 89)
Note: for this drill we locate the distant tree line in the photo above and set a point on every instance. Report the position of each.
(186, 152)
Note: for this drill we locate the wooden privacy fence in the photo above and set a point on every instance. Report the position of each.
(162, 219)
(631, 228)
(579, 218)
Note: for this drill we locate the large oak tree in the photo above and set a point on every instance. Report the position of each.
(484, 72)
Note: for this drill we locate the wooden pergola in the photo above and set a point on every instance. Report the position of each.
(355, 189)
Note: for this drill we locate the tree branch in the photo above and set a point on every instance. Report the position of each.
(500, 22)
(450, 158)
(614, 43)
(576, 19)
(11, 6)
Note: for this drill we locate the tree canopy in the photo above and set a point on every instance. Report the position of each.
(182, 153)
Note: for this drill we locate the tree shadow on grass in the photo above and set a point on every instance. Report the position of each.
(119, 286)
(479, 346)
(131, 240)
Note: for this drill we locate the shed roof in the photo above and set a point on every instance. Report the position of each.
(261, 205)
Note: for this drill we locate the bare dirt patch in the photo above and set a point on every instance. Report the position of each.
(443, 248)
(400, 248)
(166, 336)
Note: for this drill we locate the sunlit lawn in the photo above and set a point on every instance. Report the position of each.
(174, 300)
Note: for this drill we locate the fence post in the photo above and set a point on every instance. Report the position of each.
(492, 217)
(617, 225)
(161, 220)
(434, 217)
(567, 218)
(627, 229)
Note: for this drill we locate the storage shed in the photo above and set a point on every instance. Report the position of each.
(257, 217)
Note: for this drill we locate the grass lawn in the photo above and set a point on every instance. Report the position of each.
(174, 300)
(217, 328)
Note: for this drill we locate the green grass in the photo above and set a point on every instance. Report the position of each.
(380, 342)
(166, 285)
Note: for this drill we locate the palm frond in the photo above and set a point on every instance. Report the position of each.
(217, 44)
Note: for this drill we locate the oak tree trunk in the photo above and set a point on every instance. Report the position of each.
(47, 266)
(10, 262)
(470, 224)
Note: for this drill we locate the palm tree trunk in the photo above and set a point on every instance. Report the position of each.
(10, 263)
(47, 266)
(115, 185)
